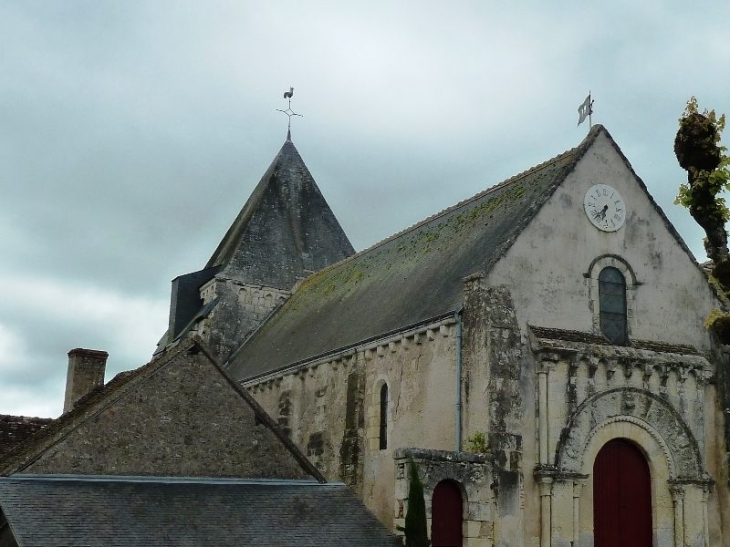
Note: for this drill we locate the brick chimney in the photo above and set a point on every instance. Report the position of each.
(86, 368)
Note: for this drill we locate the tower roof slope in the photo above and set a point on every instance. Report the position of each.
(406, 279)
(285, 231)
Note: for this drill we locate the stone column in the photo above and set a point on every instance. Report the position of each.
(706, 524)
(678, 500)
(543, 414)
(546, 500)
(577, 491)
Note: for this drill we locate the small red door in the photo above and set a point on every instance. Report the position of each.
(446, 515)
(621, 496)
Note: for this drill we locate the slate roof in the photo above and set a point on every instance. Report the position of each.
(26, 453)
(285, 231)
(56, 511)
(15, 430)
(405, 279)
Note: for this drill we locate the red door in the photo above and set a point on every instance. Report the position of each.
(446, 514)
(621, 496)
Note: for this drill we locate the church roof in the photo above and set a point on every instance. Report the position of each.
(285, 231)
(115, 511)
(406, 279)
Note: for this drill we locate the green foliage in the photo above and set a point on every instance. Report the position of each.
(416, 528)
(714, 316)
(478, 442)
(715, 180)
(719, 322)
(692, 107)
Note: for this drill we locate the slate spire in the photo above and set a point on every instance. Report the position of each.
(285, 231)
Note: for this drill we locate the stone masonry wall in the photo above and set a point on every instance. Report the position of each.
(332, 408)
(473, 474)
(242, 307)
(186, 419)
(493, 392)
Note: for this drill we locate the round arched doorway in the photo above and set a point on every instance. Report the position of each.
(621, 496)
(446, 515)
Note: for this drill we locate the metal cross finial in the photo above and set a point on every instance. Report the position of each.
(289, 112)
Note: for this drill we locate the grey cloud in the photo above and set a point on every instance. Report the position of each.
(131, 133)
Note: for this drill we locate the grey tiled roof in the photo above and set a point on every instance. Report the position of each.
(54, 511)
(285, 231)
(407, 278)
(16, 429)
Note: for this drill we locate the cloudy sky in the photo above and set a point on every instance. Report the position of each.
(131, 133)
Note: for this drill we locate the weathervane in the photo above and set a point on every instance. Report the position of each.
(585, 110)
(289, 112)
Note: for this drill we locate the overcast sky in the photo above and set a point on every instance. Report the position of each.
(132, 132)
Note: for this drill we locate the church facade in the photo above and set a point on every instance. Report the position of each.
(537, 351)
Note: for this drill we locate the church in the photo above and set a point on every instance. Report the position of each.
(537, 351)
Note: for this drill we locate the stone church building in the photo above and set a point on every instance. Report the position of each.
(537, 351)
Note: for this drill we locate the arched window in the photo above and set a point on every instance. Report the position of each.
(384, 416)
(612, 304)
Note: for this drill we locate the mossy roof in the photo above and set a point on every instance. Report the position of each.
(406, 279)
(285, 231)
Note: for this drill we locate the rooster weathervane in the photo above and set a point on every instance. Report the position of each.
(289, 112)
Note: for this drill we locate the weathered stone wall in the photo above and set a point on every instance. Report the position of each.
(494, 391)
(661, 402)
(474, 475)
(186, 419)
(548, 268)
(332, 410)
(551, 272)
(241, 308)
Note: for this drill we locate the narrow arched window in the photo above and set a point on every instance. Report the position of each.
(612, 305)
(384, 416)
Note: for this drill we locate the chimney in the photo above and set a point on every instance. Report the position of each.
(86, 369)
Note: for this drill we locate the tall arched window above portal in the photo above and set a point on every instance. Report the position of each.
(604, 276)
(383, 431)
(612, 305)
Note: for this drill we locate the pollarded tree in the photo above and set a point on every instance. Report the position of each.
(699, 152)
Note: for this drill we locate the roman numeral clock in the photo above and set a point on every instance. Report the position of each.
(605, 207)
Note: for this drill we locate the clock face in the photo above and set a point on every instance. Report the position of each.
(605, 207)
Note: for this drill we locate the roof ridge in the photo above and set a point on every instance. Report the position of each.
(57, 477)
(9, 417)
(498, 186)
(22, 455)
(511, 180)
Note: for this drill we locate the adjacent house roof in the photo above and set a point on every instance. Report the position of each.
(56, 511)
(404, 280)
(285, 231)
(180, 415)
(14, 430)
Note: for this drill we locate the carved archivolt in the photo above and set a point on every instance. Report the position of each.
(642, 409)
